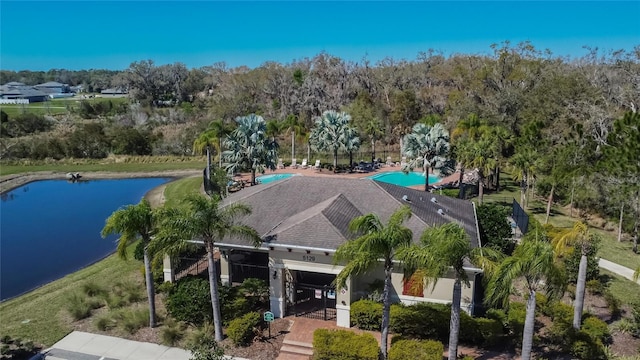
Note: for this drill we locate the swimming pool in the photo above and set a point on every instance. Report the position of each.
(402, 179)
(265, 179)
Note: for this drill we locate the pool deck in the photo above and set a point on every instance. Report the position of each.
(310, 171)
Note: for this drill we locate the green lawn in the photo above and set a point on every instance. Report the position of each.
(86, 166)
(177, 190)
(624, 290)
(40, 315)
(54, 106)
(611, 249)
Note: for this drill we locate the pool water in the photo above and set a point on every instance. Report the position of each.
(402, 179)
(265, 179)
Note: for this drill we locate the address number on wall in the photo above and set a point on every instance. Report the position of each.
(309, 258)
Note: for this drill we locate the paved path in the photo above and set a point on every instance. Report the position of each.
(617, 269)
(86, 346)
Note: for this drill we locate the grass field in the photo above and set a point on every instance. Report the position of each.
(179, 189)
(82, 166)
(54, 106)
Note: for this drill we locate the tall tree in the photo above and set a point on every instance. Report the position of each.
(375, 242)
(581, 238)
(135, 222)
(482, 155)
(203, 219)
(533, 260)
(332, 132)
(442, 249)
(249, 147)
(622, 158)
(212, 138)
(427, 147)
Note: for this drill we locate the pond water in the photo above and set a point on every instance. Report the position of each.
(51, 228)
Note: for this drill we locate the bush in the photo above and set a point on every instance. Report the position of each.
(416, 349)
(587, 348)
(171, 333)
(93, 289)
(499, 315)
(344, 345)
(613, 303)
(595, 287)
(515, 318)
(79, 306)
(104, 323)
(130, 320)
(596, 329)
(256, 291)
(491, 330)
(421, 321)
(190, 301)
(366, 315)
(201, 336)
(241, 331)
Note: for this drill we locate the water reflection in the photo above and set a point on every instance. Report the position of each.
(51, 228)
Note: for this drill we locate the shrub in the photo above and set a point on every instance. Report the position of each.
(202, 336)
(469, 330)
(491, 330)
(104, 323)
(542, 303)
(171, 333)
(421, 321)
(515, 318)
(190, 301)
(130, 320)
(587, 348)
(595, 287)
(499, 315)
(613, 303)
(79, 306)
(241, 330)
(256, 291)
(596, 329)
(93, 289)
(366, 315)
(344, 345)
(416, 349)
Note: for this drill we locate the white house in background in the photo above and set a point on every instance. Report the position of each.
(53, 87)
(303, 220)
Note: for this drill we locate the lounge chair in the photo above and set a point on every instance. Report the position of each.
(304, 164)
(317, 165)
(389, 162)
(293, 163)
(280, 164)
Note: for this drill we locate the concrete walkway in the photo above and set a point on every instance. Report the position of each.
(617, 269)
(86, 346)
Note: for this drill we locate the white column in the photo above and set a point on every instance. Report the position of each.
(167, 269)
(276, 289)
(343, 305)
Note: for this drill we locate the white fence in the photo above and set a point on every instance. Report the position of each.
(14, 101)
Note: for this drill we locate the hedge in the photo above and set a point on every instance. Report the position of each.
(366, 315)
(416, 350)
(344, 345)
(242, 330)
(190, 301)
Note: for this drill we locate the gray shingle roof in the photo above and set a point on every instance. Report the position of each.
(315, 211)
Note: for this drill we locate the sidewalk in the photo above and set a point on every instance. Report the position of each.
(617, 269)
(86, 346)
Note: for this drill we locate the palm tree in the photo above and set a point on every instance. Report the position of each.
(375, 242)
(373, 128)
(296, 128)
(212, 138)
(580, 236)
(133, 222)
(534, 261)
(426, 146)
(523, 164)
(480, 154)
(351, 143)
(442, 249)
(332, 132)
(203, 219)
(249, 147)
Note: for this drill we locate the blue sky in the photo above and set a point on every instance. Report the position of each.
(112, 34)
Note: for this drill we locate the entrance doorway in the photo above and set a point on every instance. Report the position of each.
(311, 295)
